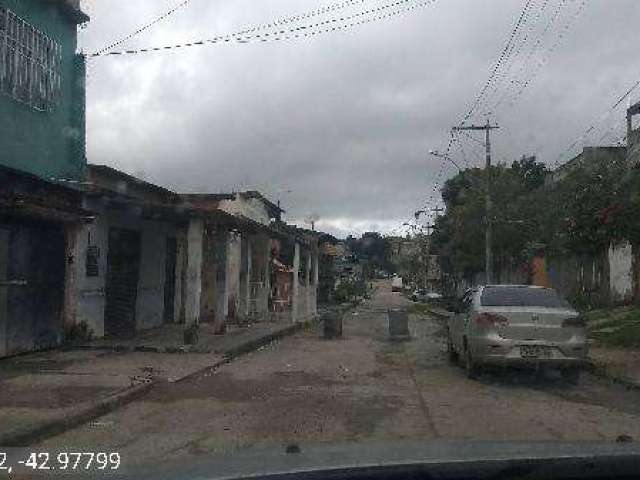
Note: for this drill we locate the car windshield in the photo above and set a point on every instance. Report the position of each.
(236, 227)
(522, 297)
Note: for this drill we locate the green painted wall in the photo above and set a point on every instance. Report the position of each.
(48, 144)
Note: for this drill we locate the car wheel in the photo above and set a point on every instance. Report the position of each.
(452, 355)
(571, 375)
(472, 369)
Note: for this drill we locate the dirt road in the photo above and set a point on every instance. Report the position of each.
(308, 390)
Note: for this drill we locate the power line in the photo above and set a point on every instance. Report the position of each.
(141, 29)
(282, 21)
(523, 41)
(502, 58)
(572, 21)
(304, 31)
(464, 155)
(536, 46)
(512, 53)
(310, 14)
(593, 126)
(498, 63)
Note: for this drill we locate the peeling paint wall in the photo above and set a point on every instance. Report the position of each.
(234, 261)
(621, 272)
(194, 272)
(209, 296)
(90, 290)
(150, 300)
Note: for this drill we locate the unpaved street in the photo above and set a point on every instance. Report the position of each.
(307, 390)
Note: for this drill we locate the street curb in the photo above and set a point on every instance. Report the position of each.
(248, 347)
(256, 343)
(23, 437)
(600, 371)
(439, 315)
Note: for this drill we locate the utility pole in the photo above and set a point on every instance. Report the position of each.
(488, 240)
(426, 251)
(437, 211)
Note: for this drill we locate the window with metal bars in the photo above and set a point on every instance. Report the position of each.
(29, 63)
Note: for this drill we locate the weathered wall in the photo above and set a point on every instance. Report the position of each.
(209, 296)
(234, 261)
(252, 208)
(90, 291)
(260, 283)
(193, 275)
(621, 272)
(153, 253)
(584, 280)
(48, 144)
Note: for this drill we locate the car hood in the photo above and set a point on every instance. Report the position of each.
(439, 459)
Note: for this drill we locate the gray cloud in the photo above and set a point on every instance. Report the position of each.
(343, 120)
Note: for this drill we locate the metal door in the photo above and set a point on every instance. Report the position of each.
(123, 265)
(32, 270)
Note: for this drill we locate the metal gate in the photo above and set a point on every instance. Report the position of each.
(32, 271)
(123, 265)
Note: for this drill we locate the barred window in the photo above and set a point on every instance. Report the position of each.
(29, 63)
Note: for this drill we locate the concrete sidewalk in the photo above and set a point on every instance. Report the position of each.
(44, 394)
(170, 339)
(618, 364)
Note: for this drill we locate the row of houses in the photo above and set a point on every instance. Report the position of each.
(88, 247)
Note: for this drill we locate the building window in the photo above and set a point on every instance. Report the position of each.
(29, 63)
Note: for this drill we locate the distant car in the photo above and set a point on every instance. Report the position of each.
(396, 284)
(514, 325)
(419, 295)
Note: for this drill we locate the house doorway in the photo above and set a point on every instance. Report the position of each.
(123, 268)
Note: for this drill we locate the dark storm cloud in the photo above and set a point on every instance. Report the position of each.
(339, 125)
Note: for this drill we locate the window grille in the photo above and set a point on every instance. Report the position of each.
(29, 63)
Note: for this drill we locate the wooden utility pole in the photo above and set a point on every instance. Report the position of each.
(488, 240)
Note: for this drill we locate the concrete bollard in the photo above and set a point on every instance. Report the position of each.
(398, 324)
(332, 324)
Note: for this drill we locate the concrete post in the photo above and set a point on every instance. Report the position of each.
(307, 285)
(222, 281)
(248, 266)
(267, 275)
(316, 282)
(258, 285)
(194, 271)
(295, 300)
(234, 265)
(73, 262)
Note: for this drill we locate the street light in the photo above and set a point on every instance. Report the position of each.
(436, 153)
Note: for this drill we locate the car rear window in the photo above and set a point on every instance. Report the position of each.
(522, 297)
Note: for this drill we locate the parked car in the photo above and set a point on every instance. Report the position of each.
(419, 295)
(516, 325)
(396, 284)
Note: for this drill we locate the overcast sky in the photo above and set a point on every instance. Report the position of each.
(340, 125)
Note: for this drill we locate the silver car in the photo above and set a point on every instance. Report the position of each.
(517, 325)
